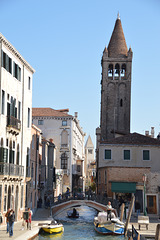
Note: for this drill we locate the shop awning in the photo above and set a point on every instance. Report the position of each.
(123, 187)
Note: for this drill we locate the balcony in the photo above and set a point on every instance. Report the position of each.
(9, 169)
(13, 125)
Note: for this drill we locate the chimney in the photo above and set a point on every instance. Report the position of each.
(152, 132)
(76, 114)
(147, 133)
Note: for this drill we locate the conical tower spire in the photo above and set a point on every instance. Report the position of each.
(117, 46)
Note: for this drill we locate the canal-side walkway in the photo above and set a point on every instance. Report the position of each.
(20, 232)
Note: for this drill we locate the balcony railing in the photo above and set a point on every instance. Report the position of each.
(11, 169)
(13, 122)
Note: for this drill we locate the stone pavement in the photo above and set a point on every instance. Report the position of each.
(20, 232)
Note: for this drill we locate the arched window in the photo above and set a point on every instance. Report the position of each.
(123, 70)
(64, 161)
(64, 138)
(17, 160)
(121, 103)
(110, 70)
(116, 71)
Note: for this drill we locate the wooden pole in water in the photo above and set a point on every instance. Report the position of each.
(157, 237)
(129, 215)
(122, 211)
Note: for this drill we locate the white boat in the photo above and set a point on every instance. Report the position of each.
(106, 226)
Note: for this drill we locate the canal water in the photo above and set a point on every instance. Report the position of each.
(80, 228)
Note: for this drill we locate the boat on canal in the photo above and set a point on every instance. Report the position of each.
(53, 227)
(73, 214)
(108, 226)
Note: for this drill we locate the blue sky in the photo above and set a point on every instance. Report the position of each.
(63, 41)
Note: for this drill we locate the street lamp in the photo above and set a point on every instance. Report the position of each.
(144, 181)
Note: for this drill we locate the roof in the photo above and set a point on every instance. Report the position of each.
(13, 50)
(49, 112)
(117, 46)
(89, 142)
(133, 139)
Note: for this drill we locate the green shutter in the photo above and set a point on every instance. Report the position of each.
(107, 154)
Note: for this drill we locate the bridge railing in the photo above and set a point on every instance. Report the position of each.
(81, 196)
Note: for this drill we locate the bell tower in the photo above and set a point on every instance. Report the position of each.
(116, 85)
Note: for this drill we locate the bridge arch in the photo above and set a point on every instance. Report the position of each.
(57, 209)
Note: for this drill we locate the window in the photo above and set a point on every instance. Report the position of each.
(19, 110)
(121, 103)
(123, 70)
(6, 62)
(116, 72)
(90, 151)
(126, 154)
(105, 177)
(110, 70)
(64, 161)
(5, 189)
(146, 155)
(28, 123)
(40, 122)
(107, 154)
(64, 123)
(78, 168)
(32, 170)
(29, 83)
(22, 196)
(5, 203)
(3, 101)
(16, 71)
(64, 138)
(18, 154)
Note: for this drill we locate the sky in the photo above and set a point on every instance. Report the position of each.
(63, 40)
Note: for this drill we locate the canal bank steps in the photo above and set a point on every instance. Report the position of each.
(43, 215)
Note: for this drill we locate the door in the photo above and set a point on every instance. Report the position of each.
(152, 204)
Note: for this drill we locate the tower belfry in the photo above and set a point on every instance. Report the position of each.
(116, 85)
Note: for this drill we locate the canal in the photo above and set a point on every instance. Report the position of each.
(80, 228)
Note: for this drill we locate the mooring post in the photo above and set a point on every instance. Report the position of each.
(129, 215)
(122, 212)
(157, 237)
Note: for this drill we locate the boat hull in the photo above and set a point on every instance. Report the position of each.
(51, 230)
(109, 229)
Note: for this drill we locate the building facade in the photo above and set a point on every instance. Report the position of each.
(68, 138)
(124, 162)
(90, 165)
(15, 126)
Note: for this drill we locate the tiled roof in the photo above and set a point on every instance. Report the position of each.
(49, 112)
(135, 139)
(117, 46)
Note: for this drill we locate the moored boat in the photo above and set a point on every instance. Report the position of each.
(53, 228)
(106, 226)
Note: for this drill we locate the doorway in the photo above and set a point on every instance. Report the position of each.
(16, 203)
(152, 204)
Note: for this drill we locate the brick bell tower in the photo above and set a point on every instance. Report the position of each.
(116, 85)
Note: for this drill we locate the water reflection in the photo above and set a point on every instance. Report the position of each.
(79, 228)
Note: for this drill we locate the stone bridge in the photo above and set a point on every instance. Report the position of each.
(73, 203)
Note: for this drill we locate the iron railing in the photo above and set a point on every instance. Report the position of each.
(13, 122)
(11, 169)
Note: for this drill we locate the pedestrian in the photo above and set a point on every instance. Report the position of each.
(110, 211)
(29, 218)
(137, 208)
(11, 217)
(7, 219)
